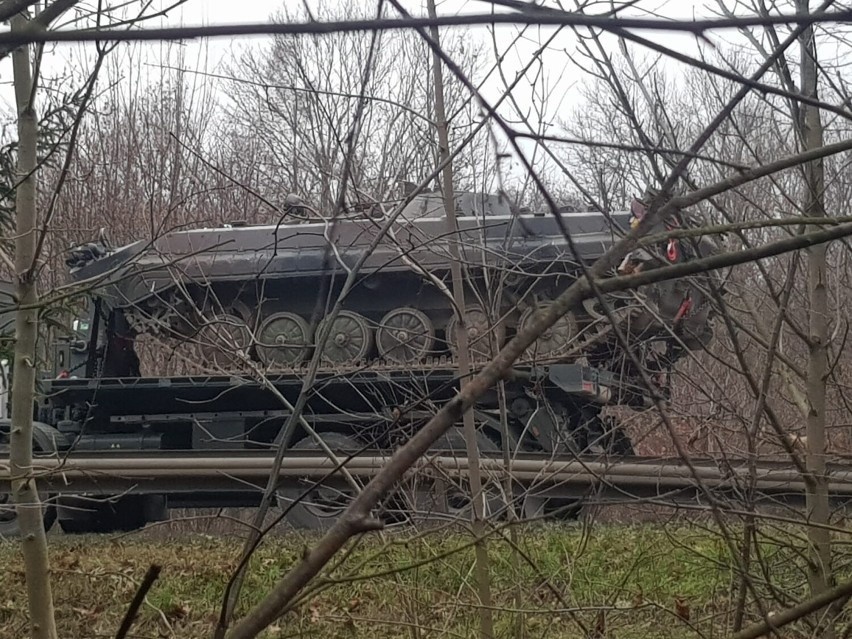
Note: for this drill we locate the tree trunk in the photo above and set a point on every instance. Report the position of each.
(34, 541)
(819, 555)
(483, 577)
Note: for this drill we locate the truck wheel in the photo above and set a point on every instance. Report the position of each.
(551, 508)
(45, 441)
(321, 507)
(603, 435)
(451, 498)
(78, 515)
(81, 526)
(9, 517)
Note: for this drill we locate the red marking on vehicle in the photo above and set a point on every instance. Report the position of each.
(672, 251)
(683, 310)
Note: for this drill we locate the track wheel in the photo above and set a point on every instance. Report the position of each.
(556, 340)
(224, 341)
(283, 340)
(349, 340)
(320, 508)
(480, 333)
(551, 508)
(405, 335)
(45, 442)
(450, 498)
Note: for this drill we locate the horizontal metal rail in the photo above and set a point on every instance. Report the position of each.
(212, 471)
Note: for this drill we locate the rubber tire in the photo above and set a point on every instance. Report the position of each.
(564, 509)
(616, 443)
(82, 526)
(432, 502)
(305, 517)
(46, 439)
(129, 513)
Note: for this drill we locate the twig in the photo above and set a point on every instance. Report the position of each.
(148, 581)
(774, 622)
(697, 27)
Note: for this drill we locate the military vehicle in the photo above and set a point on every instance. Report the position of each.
(202, 338)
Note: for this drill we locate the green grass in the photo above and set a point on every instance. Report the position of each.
(410, 586)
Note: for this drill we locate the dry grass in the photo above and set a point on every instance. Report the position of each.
(406, 585)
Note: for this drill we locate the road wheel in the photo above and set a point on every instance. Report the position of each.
(321, 507)
(450, 498)
(45, 442)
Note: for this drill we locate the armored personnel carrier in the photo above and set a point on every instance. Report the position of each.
(260, 295)
(201, 339)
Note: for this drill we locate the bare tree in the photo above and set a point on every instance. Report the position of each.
(820, 572)
(295, 101)
(25, 492)
(31, 230)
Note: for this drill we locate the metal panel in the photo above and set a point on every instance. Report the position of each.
(302, 250)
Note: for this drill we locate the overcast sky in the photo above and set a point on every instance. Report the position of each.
(564, 78)
(210, 12)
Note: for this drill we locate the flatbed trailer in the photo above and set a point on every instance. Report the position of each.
(364, 412)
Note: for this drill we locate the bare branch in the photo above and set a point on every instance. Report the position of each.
(151, 576)
(810, 606)
(697, 27)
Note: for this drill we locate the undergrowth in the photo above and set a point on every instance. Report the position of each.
(621, 581)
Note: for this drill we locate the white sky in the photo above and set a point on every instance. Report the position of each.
(561, 74)
(59, 58)
(213, 12)
(209, 12)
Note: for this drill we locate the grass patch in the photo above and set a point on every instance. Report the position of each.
(613, 581)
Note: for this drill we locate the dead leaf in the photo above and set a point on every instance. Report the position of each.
(177, 611)
(353, 604)
(92, 612)
(682, 608)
